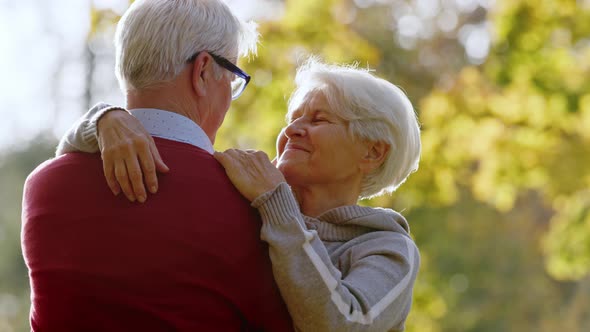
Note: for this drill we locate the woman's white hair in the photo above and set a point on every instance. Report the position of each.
(155, 38)
(375, 110)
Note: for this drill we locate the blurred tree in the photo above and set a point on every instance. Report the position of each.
(522, 121)
(307, 27)
(512, 134)
(15, 166)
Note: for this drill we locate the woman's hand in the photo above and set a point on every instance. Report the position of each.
(129, 155)
(251, 172)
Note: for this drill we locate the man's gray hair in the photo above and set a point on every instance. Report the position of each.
(155, 38)
(375, 110)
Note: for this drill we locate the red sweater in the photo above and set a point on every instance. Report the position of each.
(189, 259)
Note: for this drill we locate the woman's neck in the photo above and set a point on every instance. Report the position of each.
(315, 200)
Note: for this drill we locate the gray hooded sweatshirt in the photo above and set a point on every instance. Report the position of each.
(350, 269)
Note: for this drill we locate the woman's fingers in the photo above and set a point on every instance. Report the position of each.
(220, 157)
(123, 179)
(126, 167)
(148, 168)
(135, 176)
(109, 174)
(131, 159)
(160, 165)
(250, 171)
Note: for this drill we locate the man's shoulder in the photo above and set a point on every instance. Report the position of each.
(67, 163)
(52, 184)
(58, 175)
(188, 161)
(174, 150)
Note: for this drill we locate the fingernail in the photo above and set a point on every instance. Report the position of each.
(153, 189)
(141, 198)
(131, 198)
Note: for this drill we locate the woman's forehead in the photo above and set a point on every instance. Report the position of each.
(312, 100)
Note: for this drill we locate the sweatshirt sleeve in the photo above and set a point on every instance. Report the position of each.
(374, 295)
(83, 135)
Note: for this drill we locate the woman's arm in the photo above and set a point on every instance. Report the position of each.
(128, 151)
(376, 292)
(82, 136)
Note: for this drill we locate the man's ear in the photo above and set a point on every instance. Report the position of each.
(374, 157)
(202, 72)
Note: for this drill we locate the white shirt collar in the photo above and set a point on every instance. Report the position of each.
(173, 126)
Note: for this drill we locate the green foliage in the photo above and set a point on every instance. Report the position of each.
(309, 27)
(521, 121)
(14, 289)
(567, 245)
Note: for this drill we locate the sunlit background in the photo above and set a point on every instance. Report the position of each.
(46, 62)
(500, 207)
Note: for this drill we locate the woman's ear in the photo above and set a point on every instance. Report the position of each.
(201, 73)
(374, 157)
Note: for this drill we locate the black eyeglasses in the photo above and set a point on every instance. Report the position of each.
(240, 80)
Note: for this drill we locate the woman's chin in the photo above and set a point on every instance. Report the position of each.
(291, 172)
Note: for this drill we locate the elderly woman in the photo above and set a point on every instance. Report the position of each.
(350, 135)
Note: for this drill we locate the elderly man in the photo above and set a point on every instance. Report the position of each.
(190, 258)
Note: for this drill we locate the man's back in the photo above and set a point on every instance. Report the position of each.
(189, 259)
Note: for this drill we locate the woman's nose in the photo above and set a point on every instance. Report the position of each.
(295, 128)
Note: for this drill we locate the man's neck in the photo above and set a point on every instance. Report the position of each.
(163, 99)
(159, 98)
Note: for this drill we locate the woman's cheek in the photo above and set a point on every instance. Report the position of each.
(281, 142)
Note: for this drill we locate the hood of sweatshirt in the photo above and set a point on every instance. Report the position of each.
(347, 222)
